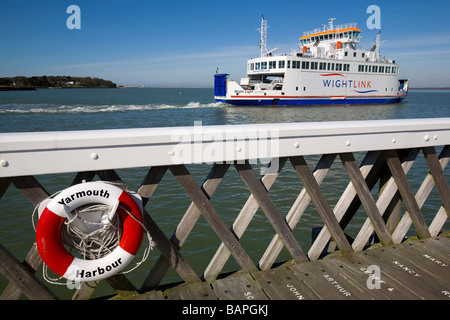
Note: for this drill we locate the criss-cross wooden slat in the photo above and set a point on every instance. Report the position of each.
(296, 211)
(261, 195)
(320, 203)
(421, 195)
(169, 250)
(35, 193)
(406, 192)
(212, 217)
(242, 221)
(186, 224)
(438, 176)
(348, 203)
(365, 197)
(383, 202)
(362, 179)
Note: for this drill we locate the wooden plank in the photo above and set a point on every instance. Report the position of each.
(438, 222)
(360, 271)
(365, 196)
(441, 245)
(13, 270)
(325, 282)
(35, 193)
(407, 195)
(239, 286)
(83, 176)
(320, 202)
(151, 295)
(170, 252)
(408, 274)
(438, 176)
(241, 223)
(119, 282)
(421, 196)
(86, 290)
(151, 182)
(212, 217)
(282, 284)
(162, 243)
(192, 291)
(112, 177)
(4, 184)
(31, 189)
(32, 262)
(273, 215)
(348, 204)
(424, 258)
(296, 212)
(185, 226)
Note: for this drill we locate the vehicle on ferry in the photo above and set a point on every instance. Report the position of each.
(327, 69)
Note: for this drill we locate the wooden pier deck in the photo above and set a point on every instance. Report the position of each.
(414, 270)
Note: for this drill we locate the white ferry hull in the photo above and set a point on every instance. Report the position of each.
(321, 89)
(309, 101)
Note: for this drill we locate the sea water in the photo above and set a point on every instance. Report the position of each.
(91, 109)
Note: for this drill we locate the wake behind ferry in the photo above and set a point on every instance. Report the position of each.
(327, 69)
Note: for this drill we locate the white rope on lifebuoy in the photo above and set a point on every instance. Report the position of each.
(60, 209)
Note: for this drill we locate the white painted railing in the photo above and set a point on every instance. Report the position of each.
(69, 151)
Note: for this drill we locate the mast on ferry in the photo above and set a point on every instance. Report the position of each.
(263, 41)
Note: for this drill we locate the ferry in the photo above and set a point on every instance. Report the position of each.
(326, 69)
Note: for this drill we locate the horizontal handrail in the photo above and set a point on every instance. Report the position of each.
(69, 151)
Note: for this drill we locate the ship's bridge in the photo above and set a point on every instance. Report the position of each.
(341, 34)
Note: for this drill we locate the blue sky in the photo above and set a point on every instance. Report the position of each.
(181, 43)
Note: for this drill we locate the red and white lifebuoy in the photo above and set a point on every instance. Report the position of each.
(48, 232)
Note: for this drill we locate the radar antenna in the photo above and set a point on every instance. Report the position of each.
(330, 23)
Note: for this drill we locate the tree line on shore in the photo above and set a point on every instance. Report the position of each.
(56, 81)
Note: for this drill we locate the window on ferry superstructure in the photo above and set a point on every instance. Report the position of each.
(314, 65)
(305, 65)
(338, 66)
(322, 66)
(264, 65)
(281, 64)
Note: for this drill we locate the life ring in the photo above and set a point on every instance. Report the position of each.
(48, 231)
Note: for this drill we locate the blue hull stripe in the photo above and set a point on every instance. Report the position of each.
(309, 102)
